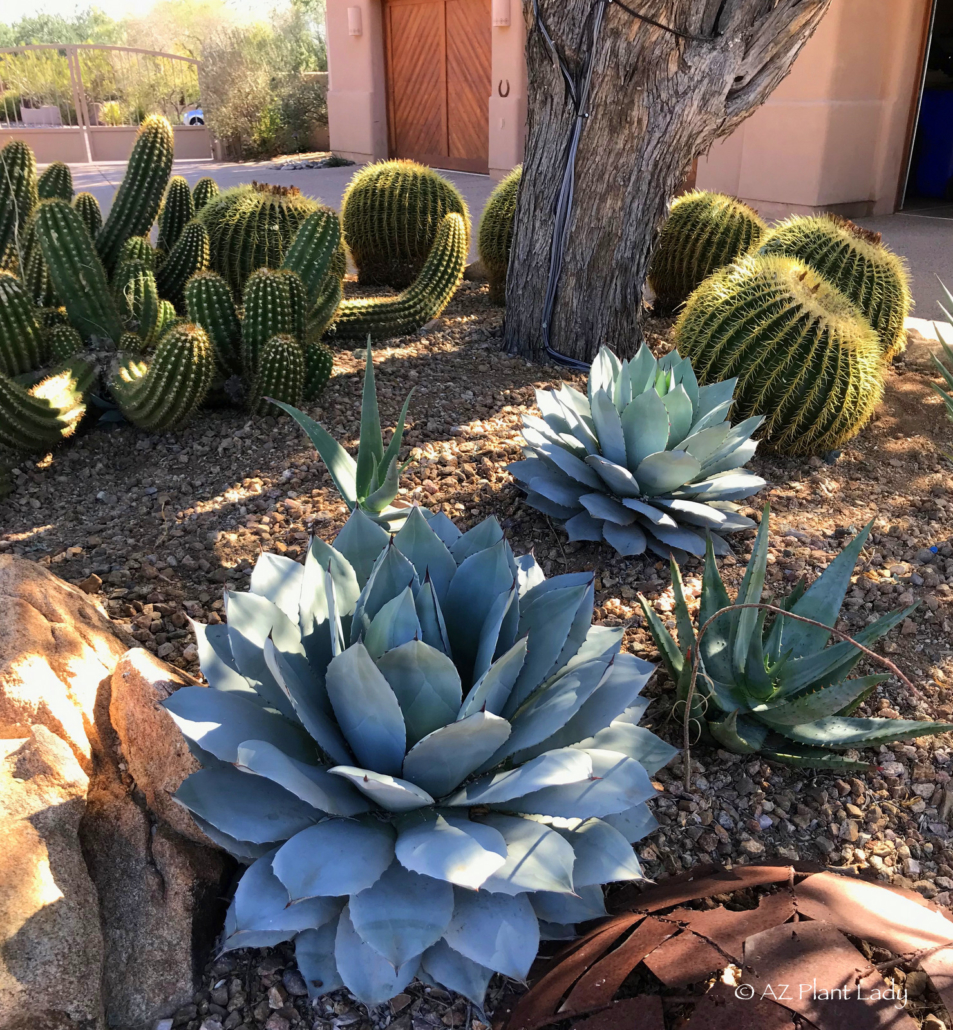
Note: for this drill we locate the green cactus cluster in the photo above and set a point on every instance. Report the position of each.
(21, 338)
(703, 232)
(35, 418)
(495, 233)
(208, 301)
(87, 207)
(190, 254)
(18, 198)
(857, 263)
(391, 216)
(178, 208)
(138, 298)
(281, 373)
(804, 356)
(205, 189)
(56, 183)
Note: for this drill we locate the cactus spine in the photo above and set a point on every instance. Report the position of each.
(139, 196)
(208, 301)
(37, 418)
(804, 355)
(21, 339)
(164, 393)
(56, 183)
(189, 255)
(138, 298)
(318, 365)
(275, 305)
(391, 214)
(703, 232)
(381, 318)
(87, 207)
(76, 272)
(138, 248)
(857, 263)
(281, 373)
(206, 189)
(178, 208)
(496, 233)
(18, 198)
(63, 342)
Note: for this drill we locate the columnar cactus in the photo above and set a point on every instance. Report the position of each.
(138, 248)
(703, 232)
(804, 356)
(63, 342)
(161, 395)
(281, 373)
(206, 189)
(495, 233)
(318, 365)
(56, 183)
(190, 254)
(208, 301)
(167, 315)
(391, 215)
(138, 298)
(857, 263)
(313, 254)
(325, 308)
(139, 196)
(34, 273)
(178, 208)
(87, 207)
(76, 272)
(22, 347)
(384, 317)
(36, 418)
(18, 196)
(275, 305)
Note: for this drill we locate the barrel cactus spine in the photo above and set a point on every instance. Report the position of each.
(495, 233)
(385, 317)
(56, 183)
(87, 207)
(275, 305)
(18, 198)
(190, 254)
(703, 232)
(206, 189)
(39, 417)
(22, 347)
(281, 374)
(178, 208)
(162, 394)
(391, 215)
(857, 263)
(208, 301)
(804, 356)
(139, 197)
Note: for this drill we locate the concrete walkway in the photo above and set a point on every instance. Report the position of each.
(927, 243)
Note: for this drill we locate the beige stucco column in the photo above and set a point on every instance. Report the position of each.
(357, 93)
(507, 89)
(833, 134)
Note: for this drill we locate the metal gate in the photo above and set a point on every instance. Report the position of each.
(83, 102)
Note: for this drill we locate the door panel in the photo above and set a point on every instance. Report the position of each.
(468, 80)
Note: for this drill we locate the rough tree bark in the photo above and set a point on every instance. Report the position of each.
(656, 103)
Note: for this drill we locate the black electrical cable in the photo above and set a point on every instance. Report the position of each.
(577, 88)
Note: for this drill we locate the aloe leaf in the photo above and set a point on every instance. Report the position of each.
(426, 685)
(245, 807)
(715, 644)
(634, 741)
(664, 471)
(818, 704)
(335, 857)
(368, 975)
(537, 857)
(634, 824)
(314, 956)
(616, 478)
(444, 758)
(388, 489)
(645, 428)
(671, 655)
(494, 930)
(428, 554)
(361, 541)
(566, 908)
(738, 734)
(750, 593)
(428, 843)
(603, 855)
(455, 972)
(391, 793)
(392, 453)
(370, 450)
(789, 753)
(279, 580)
(367, 710)
(393, 625)
(583, 527)
(840, 733)
(554, 768)
(683, 618)
(340, 464)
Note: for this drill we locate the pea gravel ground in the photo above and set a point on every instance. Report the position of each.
(156, 526)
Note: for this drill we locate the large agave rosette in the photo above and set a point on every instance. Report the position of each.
(426, 751)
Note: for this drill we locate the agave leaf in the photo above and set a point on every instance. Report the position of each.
(312, 613)
(604, 372)
(433, 628)
(713, 396)
(260, 915)
(311, 783)
(494, 930)
(789, 753)
(455, 972)
(279, 579)
(716, 417)
(633, 824)
(537, 857)
(603, 855)
(583, 527)
(402, 914)
(578, 415)
(840, 733)
(734, 487)
(367, 974)
(685, 374)
(750, 593)
(678, 404)
(642, 370)
(608, 428)
(617, 784)
(601, 643)
(616, 478)
(428, 554)
(601, 506)
(627, 540)
(680, 538)
(563, 460)
(671, 655)
(498, 630)
(393, 625)
(738, 734)
(426, 684)
(442, 526)
(314, 956)
(245, 807)
(360, 541)
(649, 511)
(566, 908)
(218, 722)
(392, 453)
(736, 437)
(664, 471)
(624, 736)
(694, 513)
(555, 486)
(733, 461)
(218, 665)
(818, 704)
(542, 503)
(430, 844)
(340, 464)
(243, 850)
(555, 767)
(443, 759)
(645, 428)
(367, 710)
(391, 574)
(391, 793)
(388, 489)
(335, 857)
(492, 690)
(480, 538)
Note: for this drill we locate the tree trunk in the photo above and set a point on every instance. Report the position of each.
(657, 101)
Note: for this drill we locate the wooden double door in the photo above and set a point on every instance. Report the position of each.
(438, 81)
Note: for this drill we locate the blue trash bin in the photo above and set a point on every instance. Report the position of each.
(935, 132)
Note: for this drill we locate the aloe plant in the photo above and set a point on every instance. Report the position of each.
(778, 690)
(429, 755)
(946, 342)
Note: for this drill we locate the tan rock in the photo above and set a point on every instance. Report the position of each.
(51, 947)
(56, 647)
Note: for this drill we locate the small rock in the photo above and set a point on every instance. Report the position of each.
(91, 584)
(294, 983)
(752, 847)
(909, 627)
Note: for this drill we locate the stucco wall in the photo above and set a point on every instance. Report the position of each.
(833, 134)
